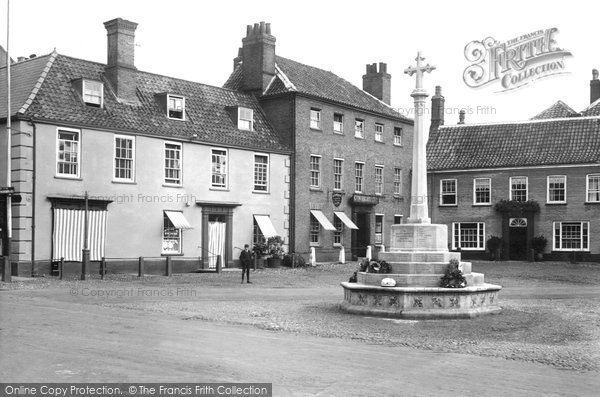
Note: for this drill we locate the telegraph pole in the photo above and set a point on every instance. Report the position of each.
(7, 260)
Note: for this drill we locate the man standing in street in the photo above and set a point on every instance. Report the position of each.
(246, 261)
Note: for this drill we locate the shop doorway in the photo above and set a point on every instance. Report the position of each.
(361, 236)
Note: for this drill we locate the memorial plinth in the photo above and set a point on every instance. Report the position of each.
(419, 255)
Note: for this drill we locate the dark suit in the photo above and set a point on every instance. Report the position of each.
(246, 261)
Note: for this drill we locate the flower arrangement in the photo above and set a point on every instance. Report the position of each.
(375, 266)
(275, 247)
(453, 277)
(260, 249)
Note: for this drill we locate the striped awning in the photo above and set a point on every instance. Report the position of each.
(265, 225)
(322, 220)
(69, 232)
(344, 218)
(178, 220)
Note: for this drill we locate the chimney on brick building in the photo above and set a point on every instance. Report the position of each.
(378, 82)
(594, 86)
(258, 57)
(461, 116)
(437, 110)
(120, 68)
(237, 59)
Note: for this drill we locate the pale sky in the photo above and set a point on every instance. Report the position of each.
(197, 40)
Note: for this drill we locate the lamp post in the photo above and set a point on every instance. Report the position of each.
(85, 254)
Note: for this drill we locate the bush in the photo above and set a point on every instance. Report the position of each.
(294, 260)
(538, 243)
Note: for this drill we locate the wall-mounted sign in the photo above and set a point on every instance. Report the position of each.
(363, 199)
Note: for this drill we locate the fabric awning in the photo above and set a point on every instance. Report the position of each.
(265, 225)
(178, 220)
(344, 218)
(322, 219)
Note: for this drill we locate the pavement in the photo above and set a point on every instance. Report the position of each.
(46, 336)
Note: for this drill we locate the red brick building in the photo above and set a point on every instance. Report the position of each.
(351, 150)
(485, 180)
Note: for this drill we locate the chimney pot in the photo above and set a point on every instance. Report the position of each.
(461, 116)
(248, 30)
(594, 86)
(256, 29)
(263, 28)
(382, 67)
(438, 90)
(268, 28)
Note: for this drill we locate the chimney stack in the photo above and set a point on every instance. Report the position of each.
(120, 68)
(237, 59)
(258, 57)
(378, 82)
(437, 110)
(594, 86)
(461, 116)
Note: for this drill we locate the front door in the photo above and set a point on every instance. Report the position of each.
(362, 236)
(217, 228)
(518, 243)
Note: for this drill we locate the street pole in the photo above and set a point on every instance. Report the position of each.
(8, 262)
(85, 255)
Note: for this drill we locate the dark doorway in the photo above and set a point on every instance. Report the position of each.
(362, 236)
(518, 243)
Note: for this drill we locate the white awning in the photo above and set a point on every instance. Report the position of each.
(344, 218)
(265, 225)
(322, 219)
(178, 220)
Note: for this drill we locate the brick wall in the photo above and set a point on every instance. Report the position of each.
(576, 209)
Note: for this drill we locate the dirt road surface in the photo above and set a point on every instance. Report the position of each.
(46, 336)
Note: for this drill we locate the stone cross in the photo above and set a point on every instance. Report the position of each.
(419, 211)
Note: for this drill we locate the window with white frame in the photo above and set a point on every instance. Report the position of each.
(448, 192)
(257, 234)
(93, 93)
(593, 188)
(171, 237)
(557, 189)
(397, 181)
(315, 229)
(358, 176)
(173, 163)
(176, 107)
(67, 153)
(261, 173)
(315, 171)
(338, 123)
(468, 236)
(315, 119)
(124, 158)
(482, 191)
(338, 174)
(359, 128)
(518, 188)
(219, 168)
(397, 136)
(571, 236)
(338, 232)
(378, 179)
(379, 132)
(397, 219)
(245, 119)
(378, 229)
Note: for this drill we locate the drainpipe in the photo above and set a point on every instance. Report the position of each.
(8, 141)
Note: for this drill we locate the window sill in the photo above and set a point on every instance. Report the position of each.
(397, 145)
(260, 192)
(362, 138)
(316, 129)
(482, 204)
(172, 185)
(572, 251)
(338, 132)
(556, 203)
(592, 203)
(381, 142)
(68, 178)
(175, 118)
(315, 245)
(219, 189)
(165, 254)
(124, 182)
(448, 205)
(316, 189)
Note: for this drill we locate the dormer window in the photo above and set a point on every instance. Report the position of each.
(176, 107)
(93, 93)
(245, 119)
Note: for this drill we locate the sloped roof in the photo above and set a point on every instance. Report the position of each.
(318, 83)
(206, 110)
(592, 110)
(529, 143)
(24, 76)
(558, 110)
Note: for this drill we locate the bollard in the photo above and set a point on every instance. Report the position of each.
(102, 268)
(218, 263)
(85, 261)
(6, 270)
(141, 267)
(169, 270)
(342, 257)
(313, 257)
(369, 255)
(61, 266)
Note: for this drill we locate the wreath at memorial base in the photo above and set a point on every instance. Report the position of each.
(375, 267)
(453, 277)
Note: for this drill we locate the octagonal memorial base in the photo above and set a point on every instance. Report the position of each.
(421, 302)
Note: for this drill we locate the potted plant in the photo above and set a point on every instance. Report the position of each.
(494, 243)
(275, 249)
(538, 243)
(260, 251)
